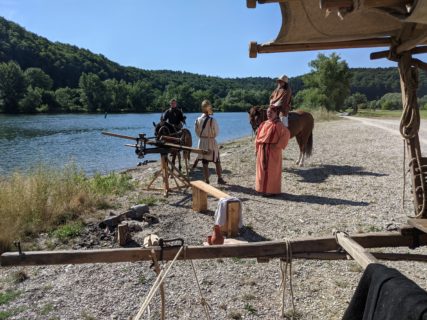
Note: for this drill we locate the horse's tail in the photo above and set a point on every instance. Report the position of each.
(309, 146)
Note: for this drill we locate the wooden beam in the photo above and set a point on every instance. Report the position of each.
(420, 224)
(411, 43)
(255, 48)
(359, 254)
(386, 3)
(271, 249)
(251, 4)
(345, 256)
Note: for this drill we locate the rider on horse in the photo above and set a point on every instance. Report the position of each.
(281, 97)
(174, 116)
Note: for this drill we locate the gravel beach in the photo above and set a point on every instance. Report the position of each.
(353, 182)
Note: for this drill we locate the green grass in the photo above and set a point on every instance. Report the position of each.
(46, 309)
(114, 183)
(368, 113)
(10, 313)
(149, 201)
(69, 230)
(250, 309)
(6, 297)
(45, 198)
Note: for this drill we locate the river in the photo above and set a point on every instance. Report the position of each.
(56, 140)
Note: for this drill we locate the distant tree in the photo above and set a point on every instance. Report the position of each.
(31, 101)
(311, 98)
(69, 100)
(37, 78)
(391, 101)
(12, 87)
(331, 77)
(355, 101)
(116, 99)
(92, 92)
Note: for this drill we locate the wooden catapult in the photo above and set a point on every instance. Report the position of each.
(167, 169)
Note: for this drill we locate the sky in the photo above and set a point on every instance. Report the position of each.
(209, 37)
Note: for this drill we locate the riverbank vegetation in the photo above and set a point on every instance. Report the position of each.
(53, 200)
(40, 76)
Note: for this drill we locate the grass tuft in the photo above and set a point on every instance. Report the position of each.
(45, 198)
(6, 297)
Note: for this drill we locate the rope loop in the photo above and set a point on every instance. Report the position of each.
(284, 263)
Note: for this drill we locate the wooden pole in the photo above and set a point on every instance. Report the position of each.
(386, 53)
(359, 254)
(255, 48)
(269, 249)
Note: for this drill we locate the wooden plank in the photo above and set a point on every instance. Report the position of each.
(419, 224)
(272, 249)
(360, 254)
(199, 184)
(200, 199)
(232, 224)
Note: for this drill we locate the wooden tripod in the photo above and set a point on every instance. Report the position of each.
(180, 180)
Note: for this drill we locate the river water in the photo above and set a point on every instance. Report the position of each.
(55, 140)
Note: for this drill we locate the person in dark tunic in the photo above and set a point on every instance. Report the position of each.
(174, 116)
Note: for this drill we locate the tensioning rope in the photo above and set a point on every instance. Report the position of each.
(159, 280)
(284, 267)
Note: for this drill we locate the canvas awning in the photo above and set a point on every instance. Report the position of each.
(333, 24)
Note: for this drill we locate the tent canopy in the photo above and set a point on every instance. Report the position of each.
(332, 24)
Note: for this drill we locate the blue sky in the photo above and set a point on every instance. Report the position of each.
(208, 37)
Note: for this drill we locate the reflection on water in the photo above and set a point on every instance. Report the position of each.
(58, 139)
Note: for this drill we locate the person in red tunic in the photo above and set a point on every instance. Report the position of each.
(272, 137)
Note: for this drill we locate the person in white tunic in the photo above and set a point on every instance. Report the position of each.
(206, 128)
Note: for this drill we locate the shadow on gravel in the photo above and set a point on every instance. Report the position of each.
(294, 198)
(250, 235)
(320, 200)
(321, 173)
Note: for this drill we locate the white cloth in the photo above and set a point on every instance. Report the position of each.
(221, 211)
(285, 121)
(207, 137)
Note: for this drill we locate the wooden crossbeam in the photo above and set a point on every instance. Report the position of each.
(355, 250)
(269, 249)
(255, 48)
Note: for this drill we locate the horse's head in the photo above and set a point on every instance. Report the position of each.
(256, 116)
(163, 128)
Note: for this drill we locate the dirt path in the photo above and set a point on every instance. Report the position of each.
(353, 182)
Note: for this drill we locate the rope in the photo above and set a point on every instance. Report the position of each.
(159, 280)
(203, 301)
(410, 124)
(284, 274)
(162, 290)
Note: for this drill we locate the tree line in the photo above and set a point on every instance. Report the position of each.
(39, 76)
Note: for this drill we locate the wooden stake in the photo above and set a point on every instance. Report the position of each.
(122, 234)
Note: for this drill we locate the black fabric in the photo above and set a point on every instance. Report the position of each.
(385, 294)
(174, 116)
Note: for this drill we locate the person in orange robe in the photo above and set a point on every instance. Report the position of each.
(272, 137)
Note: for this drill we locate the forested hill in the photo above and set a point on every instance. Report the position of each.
(37, 75)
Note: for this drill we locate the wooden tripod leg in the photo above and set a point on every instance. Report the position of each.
(156, 175)
(165, 172)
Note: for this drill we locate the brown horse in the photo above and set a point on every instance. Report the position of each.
(301, 126)
(183, 137)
